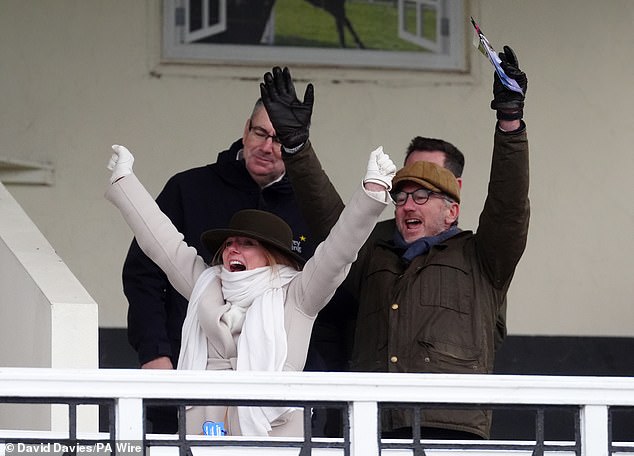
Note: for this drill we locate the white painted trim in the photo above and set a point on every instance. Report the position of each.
(362, 391)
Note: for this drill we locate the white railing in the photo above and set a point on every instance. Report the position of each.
(361, 391)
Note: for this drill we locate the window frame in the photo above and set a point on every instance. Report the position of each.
(452, 56)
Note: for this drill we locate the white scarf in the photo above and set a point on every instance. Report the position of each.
(256, 321)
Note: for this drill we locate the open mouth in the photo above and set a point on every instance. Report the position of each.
(412, 223)
(236, 266)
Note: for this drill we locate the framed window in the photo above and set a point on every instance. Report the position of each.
(400, 34)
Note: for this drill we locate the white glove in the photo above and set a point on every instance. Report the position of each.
(120, 163)
(381, 169)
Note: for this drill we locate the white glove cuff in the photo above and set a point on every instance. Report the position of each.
(378, 180)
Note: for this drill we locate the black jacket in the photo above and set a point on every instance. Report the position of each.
(197, 200)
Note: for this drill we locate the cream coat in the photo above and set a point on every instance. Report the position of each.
(306, 294)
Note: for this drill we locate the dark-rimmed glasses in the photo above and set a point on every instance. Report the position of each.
(419, 196)
(262, 135)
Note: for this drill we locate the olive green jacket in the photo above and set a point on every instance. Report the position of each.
(438, 313)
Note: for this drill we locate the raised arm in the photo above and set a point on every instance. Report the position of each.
(154, 231)
(318, 199)
(327, 269)
(504, 219)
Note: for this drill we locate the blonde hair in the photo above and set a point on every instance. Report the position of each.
(272, 255)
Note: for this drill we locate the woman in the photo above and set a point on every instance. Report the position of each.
(254, 307)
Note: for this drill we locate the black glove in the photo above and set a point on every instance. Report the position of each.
(508, 103)
(289, 116)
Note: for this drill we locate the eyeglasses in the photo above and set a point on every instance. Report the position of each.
(263, 135)
(419, 196)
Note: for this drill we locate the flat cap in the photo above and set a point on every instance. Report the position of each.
(431, 176)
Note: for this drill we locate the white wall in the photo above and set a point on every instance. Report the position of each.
(47, 319)
(78, 76)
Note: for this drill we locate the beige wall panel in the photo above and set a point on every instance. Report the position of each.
(78, 76)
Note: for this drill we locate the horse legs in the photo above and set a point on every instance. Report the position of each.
(342, 23)
(339, 23)
(337, 9)
(354, 34)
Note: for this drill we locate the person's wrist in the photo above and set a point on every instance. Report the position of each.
(293, 150)
(375, 185)
(510, 126)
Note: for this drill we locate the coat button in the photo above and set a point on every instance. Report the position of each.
(427, 359)
(394, 359)
(394, 306)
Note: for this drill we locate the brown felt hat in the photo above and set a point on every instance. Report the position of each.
(431, 176)
(267, 228)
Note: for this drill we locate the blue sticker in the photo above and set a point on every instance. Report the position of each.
(214, 428)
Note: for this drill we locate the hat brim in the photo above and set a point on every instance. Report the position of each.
(398, 184)
(213, 240)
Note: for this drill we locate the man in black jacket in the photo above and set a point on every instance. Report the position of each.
(250, 174)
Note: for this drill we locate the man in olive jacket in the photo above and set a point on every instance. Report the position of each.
(429, 297)
(429, 302)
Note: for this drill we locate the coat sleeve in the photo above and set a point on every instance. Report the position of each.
(327, 269)
(156, 235)
(503, 225)
(318, 199)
